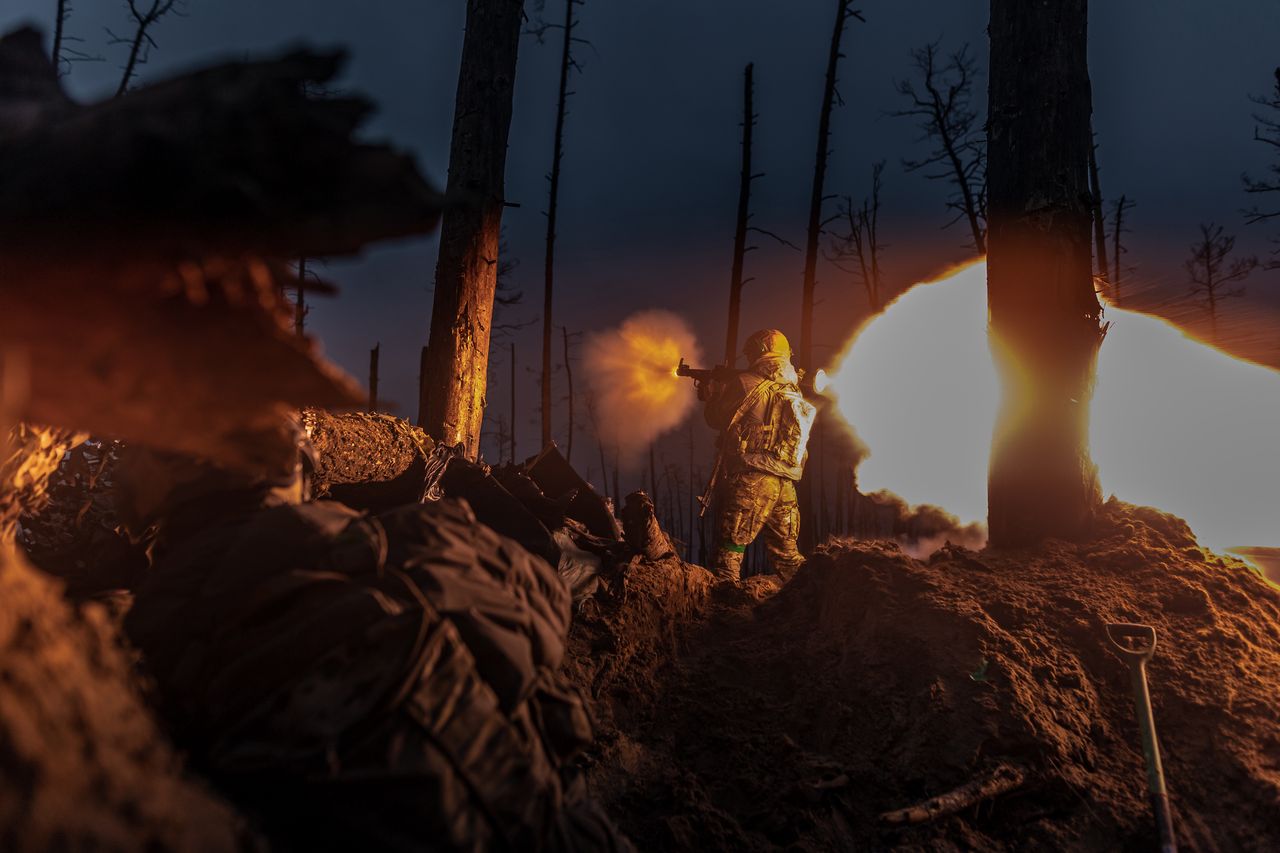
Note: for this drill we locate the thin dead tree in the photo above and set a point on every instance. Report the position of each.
(63, 54)
(451, 398)
(947, 119)
(513, 402)
(740, 248)
(595, 428)
(857, 250)
(300, 309)
(1213, 274)
(1118, 249)
(373, 377)
(141, 43)
(1045, 317)
(830, 96)
(568, 374)
(1267, 131)
(59, 25)
(567, 63)
(1099, 221)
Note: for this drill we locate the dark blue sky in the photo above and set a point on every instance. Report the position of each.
(650, 175)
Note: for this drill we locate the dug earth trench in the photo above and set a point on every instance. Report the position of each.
(758, 718)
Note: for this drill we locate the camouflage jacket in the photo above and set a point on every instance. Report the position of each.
(764, 420)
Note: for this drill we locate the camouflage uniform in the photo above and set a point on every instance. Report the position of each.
(764, 422)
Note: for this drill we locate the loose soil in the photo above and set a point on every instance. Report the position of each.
(742, 719)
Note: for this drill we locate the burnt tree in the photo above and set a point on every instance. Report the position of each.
(817, 195)
(1213, 274)
(568, 375)
(451, 398)
(744, 215)
(1045, 316)
(1099, 221)
(947, 118)
(1118, 250)
(144, 17)
(300, 303)
(1267, 131)
(59, 25)
(557, 156)
(857, 250)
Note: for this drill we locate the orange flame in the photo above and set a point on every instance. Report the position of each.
(632, 374)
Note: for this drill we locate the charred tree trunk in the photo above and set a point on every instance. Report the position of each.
(1099, 222)
(617, 488)
(744, 216)
(816, 198)
(1118, 249)
(513, 403)
(1045, 320)
(689, 504)
(653, 475)
(300, 304)
(142, 40)
(59, 24)
(373, 377)
(451, 398)
(568, 375)
(557, 155)
(818, 195)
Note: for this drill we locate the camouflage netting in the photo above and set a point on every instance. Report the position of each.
(874, 681)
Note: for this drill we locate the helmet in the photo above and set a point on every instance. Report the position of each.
(766, 343)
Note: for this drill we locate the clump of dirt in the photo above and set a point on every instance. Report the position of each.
(874, 681)
(83, 764)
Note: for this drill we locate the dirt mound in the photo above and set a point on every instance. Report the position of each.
(83, 764)
(874, 681)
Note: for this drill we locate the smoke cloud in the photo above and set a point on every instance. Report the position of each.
(632, 374)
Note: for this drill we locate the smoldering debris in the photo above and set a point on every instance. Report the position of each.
(919, 530)
(631, 372)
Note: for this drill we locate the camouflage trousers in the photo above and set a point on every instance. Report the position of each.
(752, 502)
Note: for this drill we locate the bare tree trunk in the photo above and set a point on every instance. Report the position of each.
(1099, 223)
(816, 198)
(744, 216)
(568, 373)
(871, 215)
(373, 377)
(818, 195)
(566, 61)
(141, 38)
(690, 501)
(300, 304)
(451, 398)
(1118, 249)
(513, 403)
(59, 23)
(653, 474)
(1044, 311)
(617, 487)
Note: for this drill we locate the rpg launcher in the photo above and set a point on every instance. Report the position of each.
(704, 378)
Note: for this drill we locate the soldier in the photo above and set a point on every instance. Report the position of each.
(764, 423)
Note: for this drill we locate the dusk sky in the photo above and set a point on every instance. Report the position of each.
(649, 185)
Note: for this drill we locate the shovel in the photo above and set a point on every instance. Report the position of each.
(1136, 644)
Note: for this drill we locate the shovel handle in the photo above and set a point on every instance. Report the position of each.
(1143, 638)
